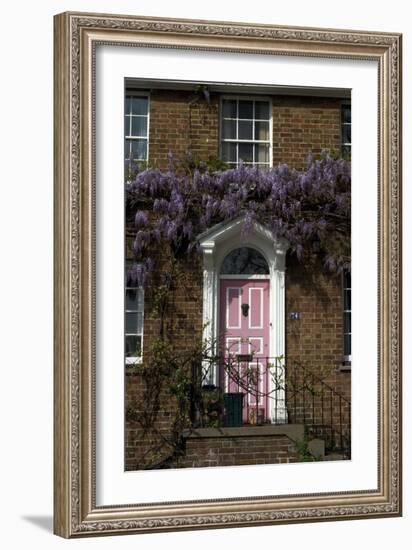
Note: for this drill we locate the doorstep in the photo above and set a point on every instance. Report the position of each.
(295, 432)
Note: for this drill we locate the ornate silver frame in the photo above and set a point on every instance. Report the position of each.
(75, 510)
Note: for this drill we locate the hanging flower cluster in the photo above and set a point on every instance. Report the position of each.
(309, 208)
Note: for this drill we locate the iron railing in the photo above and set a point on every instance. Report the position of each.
(261, 380)
(255, 390)
(325, 412)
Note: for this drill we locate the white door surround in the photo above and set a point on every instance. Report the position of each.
(216, 243)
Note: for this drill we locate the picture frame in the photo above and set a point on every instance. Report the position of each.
(76, 509)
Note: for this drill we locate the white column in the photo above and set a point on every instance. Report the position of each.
(279, 411)
(278, 400)
(209, 291)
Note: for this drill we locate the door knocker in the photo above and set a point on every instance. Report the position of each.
(245, 309)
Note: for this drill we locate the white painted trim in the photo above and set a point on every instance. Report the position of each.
(260, 326)
(137, 93)
(345, 357)
(259, 399)
(216, 243)
(264, 277)
(253, 98)
(209, 308)
(130, 361)
(236, 339)
(137, 359)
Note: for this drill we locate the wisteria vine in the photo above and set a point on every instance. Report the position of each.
(311, 208)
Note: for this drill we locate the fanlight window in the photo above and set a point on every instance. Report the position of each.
(244, 261)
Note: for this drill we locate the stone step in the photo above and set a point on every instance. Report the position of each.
(334, 456)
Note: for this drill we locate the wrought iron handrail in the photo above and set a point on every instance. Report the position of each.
(324, 411)
(334, 422)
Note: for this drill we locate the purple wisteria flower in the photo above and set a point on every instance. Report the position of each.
(140, 218)
(310, 208)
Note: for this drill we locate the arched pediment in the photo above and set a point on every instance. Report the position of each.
(219, 240)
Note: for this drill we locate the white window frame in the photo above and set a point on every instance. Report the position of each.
(137, 93)
(135, 359)
(347, 358)
(344, 144)
(138, 359)
(253, 98)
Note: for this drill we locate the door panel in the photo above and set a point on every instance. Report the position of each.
(244, 331)
(256, 307)
(233, 303)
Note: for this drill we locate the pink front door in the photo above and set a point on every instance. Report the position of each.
(244, 331)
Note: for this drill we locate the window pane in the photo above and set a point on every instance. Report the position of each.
(133, 346)
(139, 148)
(128, 105)
(262, 110)
(229, 129)
(347, 279)
(127, 126)
(346, 133)
(244, 261)
(139, 105)
(229, 152)
(131, 323)
(134, 323)
(245, 129)
(347, 300)
(130, 266)
(246, 152)
(245, 109)
(347, 322)
(229, 108)
(262, 153)
(134, 299)
(347, 345)
(139, 126)
(346, 114)
(127, 146)
(262, 130)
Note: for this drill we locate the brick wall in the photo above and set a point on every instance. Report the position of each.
(303, 124)
(184, 329)
(145, 448)
(315, 342)
(316, 295)
(238, 451)
(180, 121)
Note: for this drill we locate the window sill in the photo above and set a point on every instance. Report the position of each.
(346, 365)
(131, 363)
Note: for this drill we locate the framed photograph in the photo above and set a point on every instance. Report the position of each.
(227, 274)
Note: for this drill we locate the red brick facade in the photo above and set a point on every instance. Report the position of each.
(238, 451)
(302, 124)
(180, 122)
